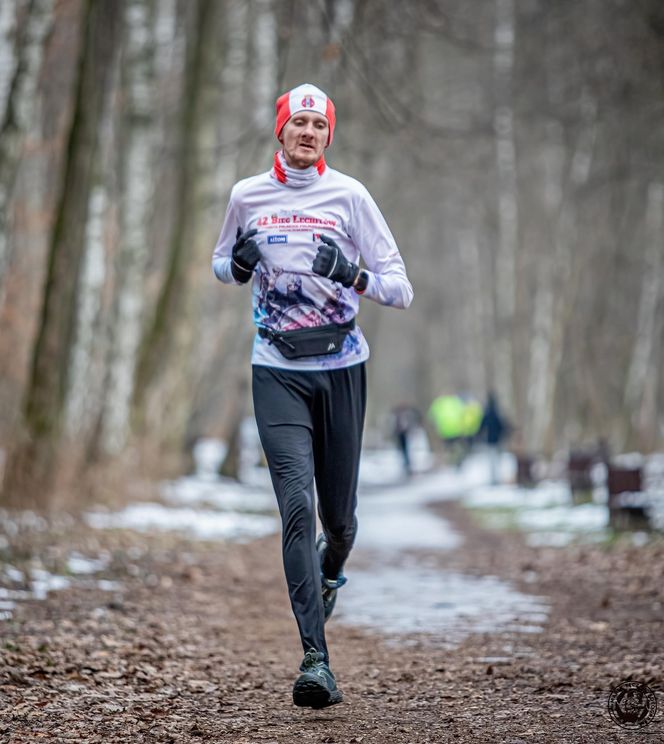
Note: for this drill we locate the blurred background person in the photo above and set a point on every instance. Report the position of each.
(406, 419)
(494, 429)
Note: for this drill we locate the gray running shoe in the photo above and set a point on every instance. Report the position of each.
(328, 586)
(316, 687)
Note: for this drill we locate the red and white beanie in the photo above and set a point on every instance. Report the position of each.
(305, 97)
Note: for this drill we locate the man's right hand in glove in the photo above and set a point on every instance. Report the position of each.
(245, 255)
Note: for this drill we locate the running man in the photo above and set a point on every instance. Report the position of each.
(298, 233)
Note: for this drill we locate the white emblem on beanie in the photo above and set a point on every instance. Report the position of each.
(307, 97)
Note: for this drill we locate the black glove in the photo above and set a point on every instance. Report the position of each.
(245, 255)
(331, 263)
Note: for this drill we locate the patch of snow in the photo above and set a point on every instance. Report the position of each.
(14, 574)
(220, 493)
(544, 495)
(208, 455)
(204, 524)
(42, 582)
(384, 466)
(629, 460)
(79, 564)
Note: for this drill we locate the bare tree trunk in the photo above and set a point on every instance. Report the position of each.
(35, 196)
(643, 420)
(508, 218)
(233, 84)
(261, 76)
(167, 369)
(30, 466)
(554, 300)
(158, 340)
(8, 27)
(225, 338)
(471, 270)
(230, 467)
(224, 333)
(338, 16)
(138, 189)
(84, 380)
(17, 99)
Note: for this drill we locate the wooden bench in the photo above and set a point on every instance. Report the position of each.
(525, 470)
(579, 475)
(628, 503)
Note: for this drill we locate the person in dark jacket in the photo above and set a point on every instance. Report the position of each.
(494, 429)
(405, 419)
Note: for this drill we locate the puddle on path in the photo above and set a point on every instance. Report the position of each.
(398, 590)
(447, 605)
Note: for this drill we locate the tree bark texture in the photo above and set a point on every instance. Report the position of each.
(30, 468)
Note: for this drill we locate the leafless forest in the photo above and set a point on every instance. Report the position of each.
(516, 148)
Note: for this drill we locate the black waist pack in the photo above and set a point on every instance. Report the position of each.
(304, 342)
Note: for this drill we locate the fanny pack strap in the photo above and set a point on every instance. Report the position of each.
(272, 335)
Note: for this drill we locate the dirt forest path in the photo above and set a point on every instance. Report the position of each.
(198, 644)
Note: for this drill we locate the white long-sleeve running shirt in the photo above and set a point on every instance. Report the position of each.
(290, 218)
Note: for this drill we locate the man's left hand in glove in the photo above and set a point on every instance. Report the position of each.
(331, 263)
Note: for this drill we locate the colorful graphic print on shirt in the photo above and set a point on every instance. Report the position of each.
(282, 304)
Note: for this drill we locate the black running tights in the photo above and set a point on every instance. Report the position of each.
(310, 425)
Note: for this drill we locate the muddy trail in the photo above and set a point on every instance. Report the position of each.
(182, 640)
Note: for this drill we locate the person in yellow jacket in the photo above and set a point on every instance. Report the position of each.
(456, 421)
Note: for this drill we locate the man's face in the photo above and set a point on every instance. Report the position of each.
(304, 138)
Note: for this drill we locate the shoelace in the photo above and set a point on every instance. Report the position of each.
(312, 658)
